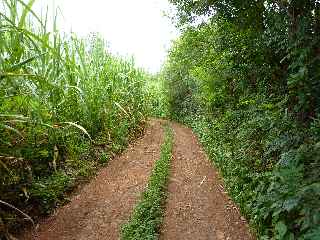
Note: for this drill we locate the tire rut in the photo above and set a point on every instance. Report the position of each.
(98, 211)
(197, 205)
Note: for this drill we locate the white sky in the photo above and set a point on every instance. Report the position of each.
(131, 27)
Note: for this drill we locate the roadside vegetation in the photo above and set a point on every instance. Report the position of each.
(245, 75)
(147, 216)
(66, 106)
(247, 80)
(158, 97)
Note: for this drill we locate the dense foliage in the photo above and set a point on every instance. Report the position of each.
(157, 96)
(247, 80)
(66, 105)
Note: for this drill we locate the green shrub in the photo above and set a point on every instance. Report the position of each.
(48, 192)
(104, 158)
(246, 79)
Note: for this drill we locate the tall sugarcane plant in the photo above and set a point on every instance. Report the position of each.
(59, 96)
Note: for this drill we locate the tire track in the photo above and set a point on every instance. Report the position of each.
(98, 211)
(197, 206)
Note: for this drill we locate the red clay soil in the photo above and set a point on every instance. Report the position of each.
(197, 205)
(98, 211)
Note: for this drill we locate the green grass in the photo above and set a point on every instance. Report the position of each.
(147, 217)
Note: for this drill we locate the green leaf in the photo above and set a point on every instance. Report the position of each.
(26, 10)
(281, 230)
(290, 204)
(24, 62)
(11, 129)
(79, 127)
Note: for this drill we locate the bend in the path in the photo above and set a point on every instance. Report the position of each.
(108, 200)
(197, 206)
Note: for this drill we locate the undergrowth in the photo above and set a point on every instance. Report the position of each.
(247, 80)
(148, 214)
(271, 175)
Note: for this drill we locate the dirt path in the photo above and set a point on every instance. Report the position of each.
(197, 207)
(108, 200)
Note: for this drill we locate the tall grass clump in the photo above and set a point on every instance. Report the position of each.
(65, 103)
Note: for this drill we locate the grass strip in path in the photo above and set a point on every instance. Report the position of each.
(147, 216)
